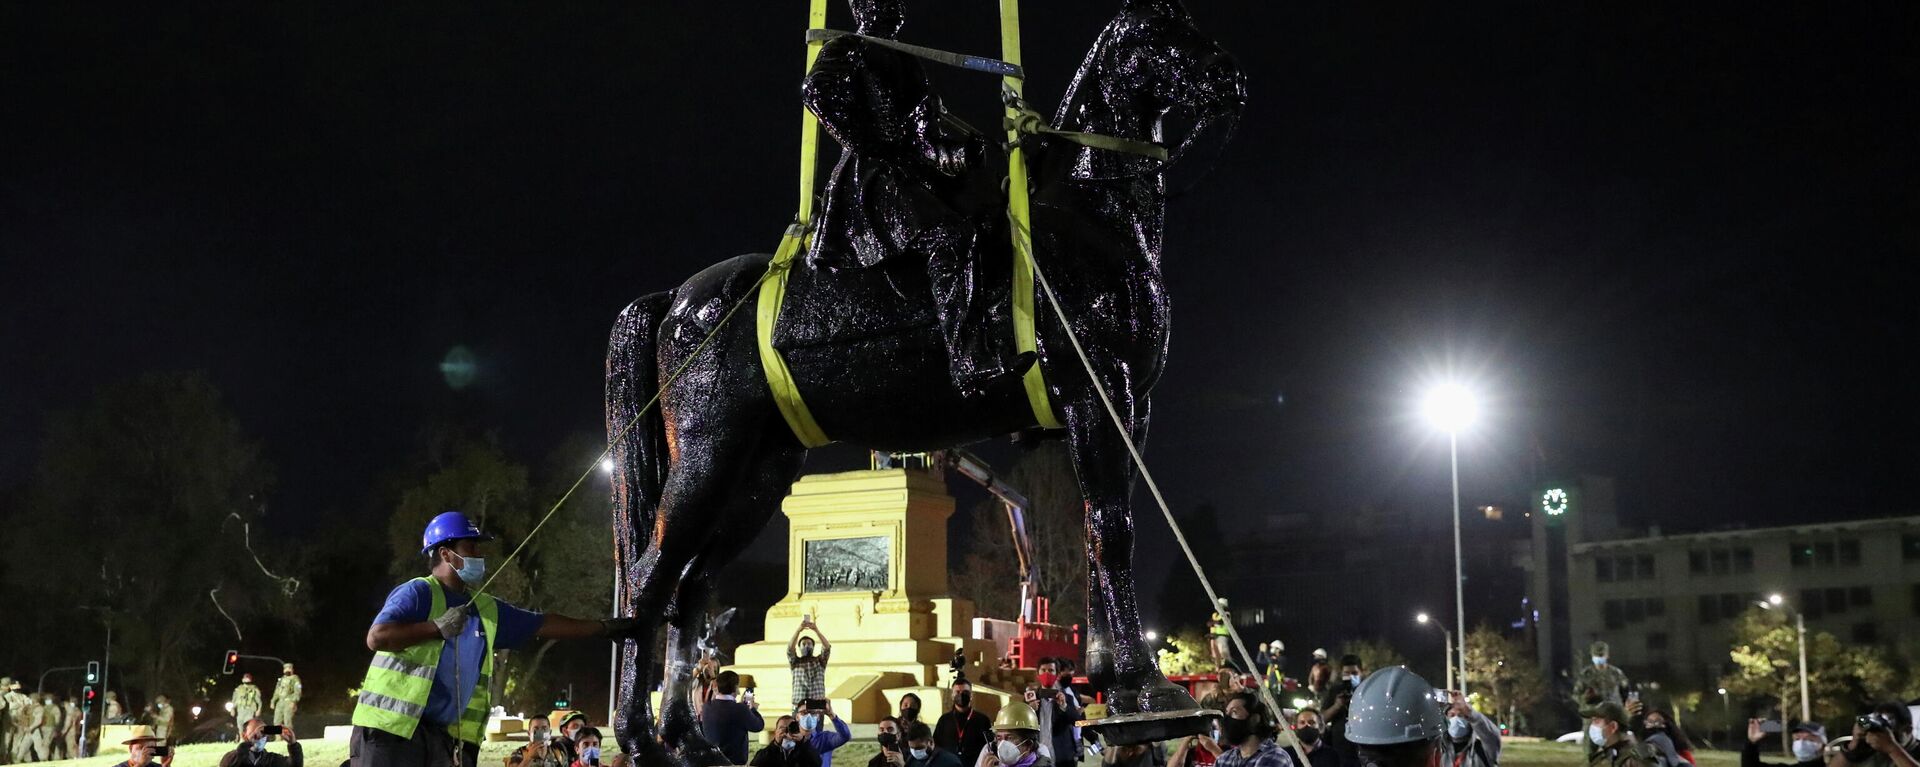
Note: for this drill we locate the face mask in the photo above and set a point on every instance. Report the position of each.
(919, 754)
(260, 743)
(1806, 750)
(1354, 680)
(540, 735)
(810, 722)
(1048, 680)
(1235, 730)
(786, 745)
(1457, 727)
(1597, 734)
(590, 754)
(472, 570)
(1308, 735)
(1599, 660)
(963, 700)
(1008, 751)
(910, 713)
(806, 651)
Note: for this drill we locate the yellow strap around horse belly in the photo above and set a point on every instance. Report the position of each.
(1023, 331)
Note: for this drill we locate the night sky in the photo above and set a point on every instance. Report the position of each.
(1673, 242)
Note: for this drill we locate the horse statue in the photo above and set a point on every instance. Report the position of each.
(697, 477)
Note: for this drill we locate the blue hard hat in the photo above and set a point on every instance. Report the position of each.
(450, 526)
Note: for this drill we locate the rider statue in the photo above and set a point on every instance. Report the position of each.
(909, 184)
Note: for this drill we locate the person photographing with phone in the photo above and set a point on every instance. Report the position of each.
(424, 701)
(253, 752)
(144, 748)
(788, 748)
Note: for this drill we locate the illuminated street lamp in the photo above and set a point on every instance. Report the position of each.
(1153, 636)
(1800, 622)
(1452, 407)
(606, 465)
(1446, 638)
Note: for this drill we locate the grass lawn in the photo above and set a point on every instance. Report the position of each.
(330, 753)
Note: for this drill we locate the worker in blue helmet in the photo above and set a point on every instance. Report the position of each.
(424, 701)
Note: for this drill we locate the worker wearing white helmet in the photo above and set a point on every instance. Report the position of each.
(1396, 721)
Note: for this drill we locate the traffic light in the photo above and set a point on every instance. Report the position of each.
(233, 658)
(93, 672)
(86, 696)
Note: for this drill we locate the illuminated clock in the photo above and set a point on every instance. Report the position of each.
(1554, 502)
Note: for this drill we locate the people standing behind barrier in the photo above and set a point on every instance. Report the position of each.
(1610, 743)
(789, 747)
(1056, 711)
(725, 721)
(246, 702)
(1809, 746)
(1472, 739)
(1246, 735)
(1308, 732)
(1395, 720)
(963, 731)
(1335, 706)
(143, 747)
(252, 751)
(825, 730)
(587, 743)
(809, 670)
(1882, 737)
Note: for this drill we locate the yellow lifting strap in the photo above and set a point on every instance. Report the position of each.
(773, 290)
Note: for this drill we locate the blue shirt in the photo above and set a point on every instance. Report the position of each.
(411, 601)
(825, 740)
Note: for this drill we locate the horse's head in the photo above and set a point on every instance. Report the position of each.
(1152, 60)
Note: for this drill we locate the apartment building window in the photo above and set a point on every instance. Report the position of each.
(1714, 608)
(1613, 614)
(1623, 568)
(1619, 613)
(1603, 569)
(1720, 561)
(1860, 596)
(1804, 554)
(1743, 560)
(1850, 553)
(1643, 566)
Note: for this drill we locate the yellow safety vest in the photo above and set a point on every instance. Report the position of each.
(394, 693)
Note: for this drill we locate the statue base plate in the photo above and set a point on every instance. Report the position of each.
(1131, 729)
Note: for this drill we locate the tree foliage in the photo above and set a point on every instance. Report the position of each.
(1186, 653)
(140, 506)
(1766, 663)
(1502, 673)
(989, 572)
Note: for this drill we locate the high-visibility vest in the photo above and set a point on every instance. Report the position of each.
(394, 693)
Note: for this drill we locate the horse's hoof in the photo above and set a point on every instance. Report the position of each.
(1150, 693)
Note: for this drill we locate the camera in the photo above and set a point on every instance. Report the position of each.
(159, 751)
(272, 730)
(1874, 722)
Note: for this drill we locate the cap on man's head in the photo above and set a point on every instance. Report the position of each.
(1810, 728)
(1350, 660)
(1606, 710)
(286, 667)
(1598, 648)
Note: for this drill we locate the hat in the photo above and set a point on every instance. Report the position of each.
(1320, 653)
(140, 733)
(1016, 716)
(286, 667)
(1598, 648)
(1606, 710)
(1812, 729)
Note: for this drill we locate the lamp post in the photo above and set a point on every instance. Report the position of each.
(1800, 625)
(1452, 407)
(1726, 711)
(1446, 639)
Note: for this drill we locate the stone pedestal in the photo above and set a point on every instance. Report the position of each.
(867, 558)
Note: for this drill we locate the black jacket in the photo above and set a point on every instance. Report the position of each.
(963, 736)
(245, 756)
(772, 755)
(725, 723)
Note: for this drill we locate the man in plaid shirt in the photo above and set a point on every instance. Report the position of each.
(809, 670)
(1247, 731)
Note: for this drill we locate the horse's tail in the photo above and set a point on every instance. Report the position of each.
(636, 439)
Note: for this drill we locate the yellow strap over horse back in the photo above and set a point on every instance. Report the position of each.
(773, 290)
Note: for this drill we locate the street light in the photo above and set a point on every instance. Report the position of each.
(1452, 407)
(1446, 638)
(1153, 636)
(1800, 623)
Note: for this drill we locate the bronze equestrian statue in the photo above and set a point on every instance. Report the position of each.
(911, 265)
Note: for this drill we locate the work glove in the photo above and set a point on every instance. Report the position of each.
(619, 629)
(451, 623)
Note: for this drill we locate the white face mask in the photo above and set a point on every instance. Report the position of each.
(1599, 660)
(1008, 751)
(918, 753)
(1806, 750)
(1457, 727)
(1597, 734)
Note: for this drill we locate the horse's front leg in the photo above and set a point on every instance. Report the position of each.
(1119, 661)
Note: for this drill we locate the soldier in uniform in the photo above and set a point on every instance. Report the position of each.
(76, 723)
(162, 717)
(246, 702)
(6, 722)
(1601, 682)
(286, 696)
(21, 711)
(1609, 742)
(55, 742)
(114, 711)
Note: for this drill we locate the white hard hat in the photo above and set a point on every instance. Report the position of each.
(1277, 645)
(1320, 653)
(1394, 705)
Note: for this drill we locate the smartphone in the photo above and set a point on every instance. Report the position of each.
(1634, 695)
(1770, 726)
(272, 729)
(159, 751)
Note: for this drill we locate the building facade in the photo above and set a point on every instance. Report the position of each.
(1666, 604)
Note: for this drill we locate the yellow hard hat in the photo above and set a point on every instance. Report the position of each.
(1016, 716)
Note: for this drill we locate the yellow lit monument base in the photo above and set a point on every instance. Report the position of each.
(867, 558)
